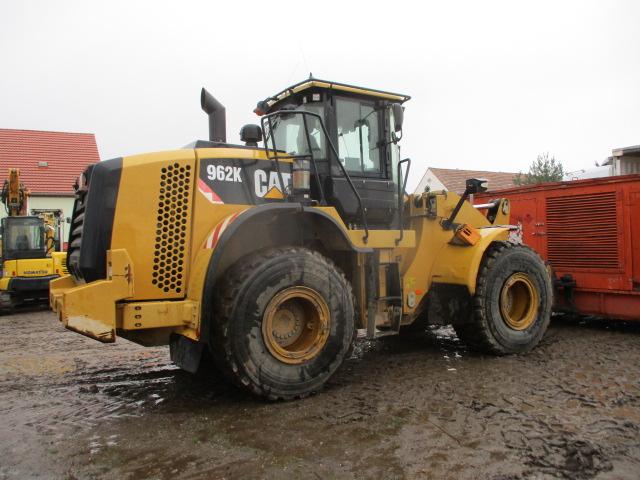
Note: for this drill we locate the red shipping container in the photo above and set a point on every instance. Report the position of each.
(589, 232)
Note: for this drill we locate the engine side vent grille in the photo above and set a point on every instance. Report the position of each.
(582, 231)
(171, 233)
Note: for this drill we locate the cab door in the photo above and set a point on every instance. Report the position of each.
(361, 129)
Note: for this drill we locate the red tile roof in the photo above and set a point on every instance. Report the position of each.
(66, 154)
(454, 179)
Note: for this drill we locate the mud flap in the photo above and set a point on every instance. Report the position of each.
(449, 304)
(185, 352)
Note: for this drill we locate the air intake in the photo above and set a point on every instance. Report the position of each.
(171, 233)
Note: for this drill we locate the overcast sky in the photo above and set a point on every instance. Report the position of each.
(493, 83)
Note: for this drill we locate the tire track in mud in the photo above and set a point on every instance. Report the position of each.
(422, 407)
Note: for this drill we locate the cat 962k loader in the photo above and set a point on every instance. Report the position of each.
(270, 259)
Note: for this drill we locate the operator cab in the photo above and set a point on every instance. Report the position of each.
(328, 122)
(23, 237)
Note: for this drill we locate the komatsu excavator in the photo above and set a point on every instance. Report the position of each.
(30, 248)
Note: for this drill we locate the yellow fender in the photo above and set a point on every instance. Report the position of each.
(459, 265)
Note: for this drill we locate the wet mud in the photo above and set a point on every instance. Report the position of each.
(420, 407)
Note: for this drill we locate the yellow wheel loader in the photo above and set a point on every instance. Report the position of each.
(270, 259)
(30, 248)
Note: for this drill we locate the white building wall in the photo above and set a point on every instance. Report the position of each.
(626, 165)
(46, 203)
(52, 203)
(49, 203)
(429, 180)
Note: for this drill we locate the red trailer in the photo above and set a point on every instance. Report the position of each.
(589, 232)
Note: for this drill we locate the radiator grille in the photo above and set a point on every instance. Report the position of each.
(72, 261)
(582, 231)
(171, 233)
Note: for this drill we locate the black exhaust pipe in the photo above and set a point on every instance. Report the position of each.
(217, 117)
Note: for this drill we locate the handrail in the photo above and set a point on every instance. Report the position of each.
(401, 191)
(333, 149)
(323, 200)
(280, 178)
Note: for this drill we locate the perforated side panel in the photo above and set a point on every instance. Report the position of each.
(171, 233)
(583, 231)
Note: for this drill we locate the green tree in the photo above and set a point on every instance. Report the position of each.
(544, 169)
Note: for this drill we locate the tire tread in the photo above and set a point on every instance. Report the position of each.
(474, 329)
(223, 309)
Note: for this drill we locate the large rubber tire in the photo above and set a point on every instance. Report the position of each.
(238, 341)
(486, 330)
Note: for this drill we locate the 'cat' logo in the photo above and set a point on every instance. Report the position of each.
(267, 185)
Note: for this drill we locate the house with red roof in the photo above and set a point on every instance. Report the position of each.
(454, 179)
(49, 164)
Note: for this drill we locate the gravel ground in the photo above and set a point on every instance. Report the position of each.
(422, 407)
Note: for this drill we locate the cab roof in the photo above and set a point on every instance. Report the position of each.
(311, 82)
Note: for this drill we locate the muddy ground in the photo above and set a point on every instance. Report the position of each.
(421, 408)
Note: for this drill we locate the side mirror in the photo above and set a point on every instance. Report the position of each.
(472, 185)
(476, 185)
(398, 116)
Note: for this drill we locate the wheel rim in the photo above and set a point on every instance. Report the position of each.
(295, 325)
(519, 301)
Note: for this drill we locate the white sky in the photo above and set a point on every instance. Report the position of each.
(494, 83)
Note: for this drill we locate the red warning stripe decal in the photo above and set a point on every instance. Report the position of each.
(208, 192)
(219, 230)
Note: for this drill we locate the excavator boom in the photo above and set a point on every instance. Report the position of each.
(15, 194)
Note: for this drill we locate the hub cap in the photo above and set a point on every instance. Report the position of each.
(519, 301)
(295, 325)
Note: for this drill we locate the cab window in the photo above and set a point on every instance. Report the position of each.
(289, 133)
(358, 136)
(22, 237)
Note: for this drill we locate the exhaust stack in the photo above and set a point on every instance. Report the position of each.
(217, 116)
